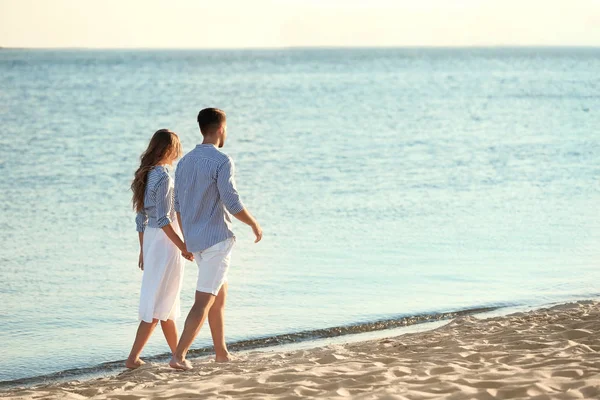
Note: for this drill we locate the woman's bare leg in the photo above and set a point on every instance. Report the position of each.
(170, 331)
(216, 320)
(141, 338)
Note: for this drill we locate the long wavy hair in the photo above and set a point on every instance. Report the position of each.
(164, 143)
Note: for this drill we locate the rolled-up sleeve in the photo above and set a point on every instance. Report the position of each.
(141, 220)
(164, 201)
(227, 190)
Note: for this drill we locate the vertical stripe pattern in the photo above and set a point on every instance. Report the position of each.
(158, 200)
(205, 195)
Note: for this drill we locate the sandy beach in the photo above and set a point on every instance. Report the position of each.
(551, 353)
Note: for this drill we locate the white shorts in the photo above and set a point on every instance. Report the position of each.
(213, 264)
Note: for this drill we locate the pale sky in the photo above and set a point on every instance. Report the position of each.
(287, 23)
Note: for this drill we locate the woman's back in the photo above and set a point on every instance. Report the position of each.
(158, 200)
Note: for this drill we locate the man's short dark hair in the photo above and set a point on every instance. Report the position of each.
(211, 119)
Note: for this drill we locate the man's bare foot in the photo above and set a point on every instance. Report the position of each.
(184, 365)
(133, 364)
(221, 358)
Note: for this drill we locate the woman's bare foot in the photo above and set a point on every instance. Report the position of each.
(133, 364)
(226, 357)
(184, 365)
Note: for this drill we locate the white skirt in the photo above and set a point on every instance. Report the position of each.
(163, 276)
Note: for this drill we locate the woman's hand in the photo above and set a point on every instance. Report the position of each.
(141, 261)
(187, 255)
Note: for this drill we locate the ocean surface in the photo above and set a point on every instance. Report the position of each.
(389, 183)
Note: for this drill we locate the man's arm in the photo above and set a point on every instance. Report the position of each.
(231, 199)
(248, 219)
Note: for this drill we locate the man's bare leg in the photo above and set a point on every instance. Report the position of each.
(144, 331)
(170, 331)
(216, 320)
(193, 323)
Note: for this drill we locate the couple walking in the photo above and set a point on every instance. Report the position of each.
(198, 205)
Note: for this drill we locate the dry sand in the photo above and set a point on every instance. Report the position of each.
(545, 354)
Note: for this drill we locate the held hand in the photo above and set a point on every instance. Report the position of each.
(257, 232)
(187, 255)
(141, 261)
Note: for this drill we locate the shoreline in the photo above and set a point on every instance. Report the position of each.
(275, 342)
(546, 352)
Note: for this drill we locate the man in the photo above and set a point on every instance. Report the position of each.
(205, 195)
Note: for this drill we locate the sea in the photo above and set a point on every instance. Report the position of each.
(392, 185)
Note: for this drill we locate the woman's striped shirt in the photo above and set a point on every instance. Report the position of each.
(158, 200)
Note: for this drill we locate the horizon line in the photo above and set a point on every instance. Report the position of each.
(325, 47)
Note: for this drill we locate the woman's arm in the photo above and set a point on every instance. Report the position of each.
(164, 205)
(171, 234)
(179, 222)
(141, 257)
(141, 220)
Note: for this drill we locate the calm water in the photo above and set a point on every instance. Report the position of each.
(388, 182)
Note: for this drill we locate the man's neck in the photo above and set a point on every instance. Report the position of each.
(210, 140)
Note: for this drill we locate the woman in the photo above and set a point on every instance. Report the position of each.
(162, 250)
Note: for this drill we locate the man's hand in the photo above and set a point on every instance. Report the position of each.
(141, 261)
(248, 219)
(257, 231)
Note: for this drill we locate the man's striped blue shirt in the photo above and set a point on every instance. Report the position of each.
(205, 195)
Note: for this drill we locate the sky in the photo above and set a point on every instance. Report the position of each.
(297, 23)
